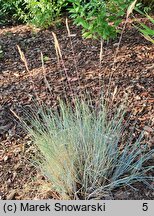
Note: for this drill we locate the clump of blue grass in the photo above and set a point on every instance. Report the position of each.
(81, 153)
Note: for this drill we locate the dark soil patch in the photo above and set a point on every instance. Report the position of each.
(132, 77)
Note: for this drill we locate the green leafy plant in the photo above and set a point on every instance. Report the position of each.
(81, 151)
(11, 10)
(146, 31)
(43, 13)
(99, 19)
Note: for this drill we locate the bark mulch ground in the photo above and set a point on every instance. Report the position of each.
(132, 78)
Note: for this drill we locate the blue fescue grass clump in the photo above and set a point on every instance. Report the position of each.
(81, 151)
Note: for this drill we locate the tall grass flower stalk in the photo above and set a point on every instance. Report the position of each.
(81, 151)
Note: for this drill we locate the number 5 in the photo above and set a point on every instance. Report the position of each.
(145, 207)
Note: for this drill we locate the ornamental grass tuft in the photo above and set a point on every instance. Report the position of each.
(82, 153)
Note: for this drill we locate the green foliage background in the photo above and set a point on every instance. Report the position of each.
(11, 11)
(98, 18)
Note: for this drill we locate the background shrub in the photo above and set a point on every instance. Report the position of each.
(43, 13)
(11, 11)
(40, 13)
(99, 19)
